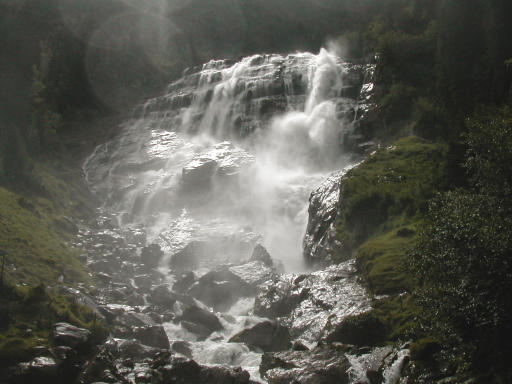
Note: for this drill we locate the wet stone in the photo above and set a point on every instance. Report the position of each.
(267, 336)
(202, 318)
(326, 364)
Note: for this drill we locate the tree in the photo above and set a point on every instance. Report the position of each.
(463, 261)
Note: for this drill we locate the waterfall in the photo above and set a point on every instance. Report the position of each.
(221, 167)
(231, 150)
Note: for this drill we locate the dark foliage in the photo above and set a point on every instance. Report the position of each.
(463, 261)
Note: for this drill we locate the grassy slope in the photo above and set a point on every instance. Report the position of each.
(34, 232)
(383, 201)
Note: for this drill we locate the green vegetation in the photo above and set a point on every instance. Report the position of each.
(446, 264)
(388, 190)
(463, 260)
(28, 315)
(381, 261)
(34, 232)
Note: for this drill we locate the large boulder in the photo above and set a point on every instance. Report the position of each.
(310, 304)
(267, 336)
(220, 289)
(180, 370)
(327, 364)
(202, 318)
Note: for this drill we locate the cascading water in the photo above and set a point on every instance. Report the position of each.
(173, 171)
(226, 159)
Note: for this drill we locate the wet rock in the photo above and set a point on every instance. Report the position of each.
(143, 281)
(278, 298)
(201, 317)
(326, 364)
(181, 370)
(151, 255)
(299, 346)
(100, 368)
(150, 335)
(153, 336)
(161, 295)
(69, 335)
(111, 311)
(43, 366)
(188, 258)
(220, 289)
(223, 162)
(320, 240)
(184, 282)
(182, 347)
(201, 331)
(254, 274)
(224, 375)
(134, 319)
(311, 303)
(134, 349)
(213, 251)
(267, 336)
(260, 254)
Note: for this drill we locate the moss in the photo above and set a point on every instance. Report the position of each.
(381, 261)
(362, 329)
(424, 349)
(400, 316)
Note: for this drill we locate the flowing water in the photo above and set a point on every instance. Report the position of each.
(227, 158)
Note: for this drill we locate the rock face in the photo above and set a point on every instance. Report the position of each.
(268, 336)
(320, 239)
(323, 365)
(310, 303)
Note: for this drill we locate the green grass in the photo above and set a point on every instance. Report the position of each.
(35, 246)
(381, 261)
(388, 190)
(35, 231)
